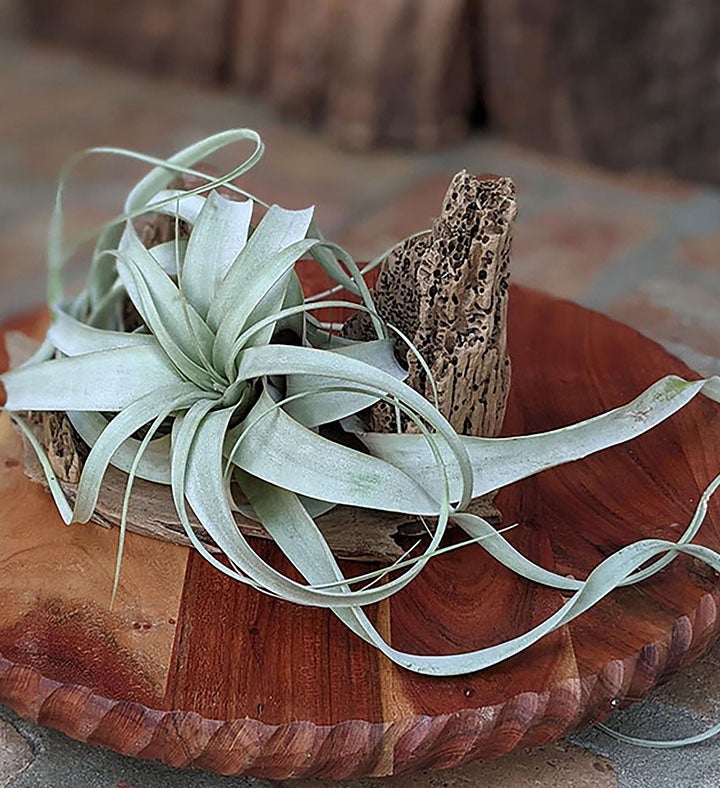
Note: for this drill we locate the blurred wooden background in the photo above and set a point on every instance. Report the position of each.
(629, 85)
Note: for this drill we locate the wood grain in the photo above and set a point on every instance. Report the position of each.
(259, 687)
(55, 583)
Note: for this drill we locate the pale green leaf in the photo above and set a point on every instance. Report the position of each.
(206, 493)
(257, 362)
(276, 448)
(278, 230)
(508, 556)
(170, 305)
(498, 462)
(109, 380)
(102, 272)
(158, 403)
(184, 205)
(219, 235)
(61, 502)
(324, 407)
(155, 463)
(293, 298)
(294, 531)
(168, 321)
(262, 276)
(184, 434)
(73, 338)
(170, 255)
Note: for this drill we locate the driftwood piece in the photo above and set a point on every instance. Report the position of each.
(448, 293)
(358, 534)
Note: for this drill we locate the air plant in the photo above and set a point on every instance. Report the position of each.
(227, 380)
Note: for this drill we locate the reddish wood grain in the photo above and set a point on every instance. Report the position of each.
(256, 686)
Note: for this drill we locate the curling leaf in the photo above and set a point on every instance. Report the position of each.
(286, 360)
(324, 407)
(498, 462)
(170, 255)
(276, 448)
(155, 463)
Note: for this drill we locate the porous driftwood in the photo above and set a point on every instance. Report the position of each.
(448, 292)
(357, 534)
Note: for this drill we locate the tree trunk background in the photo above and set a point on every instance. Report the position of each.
(374, 72)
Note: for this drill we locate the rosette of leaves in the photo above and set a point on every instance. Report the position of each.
(228, 380)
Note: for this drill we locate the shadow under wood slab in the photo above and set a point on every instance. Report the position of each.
(194, 669)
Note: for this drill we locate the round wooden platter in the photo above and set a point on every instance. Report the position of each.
(196, 670)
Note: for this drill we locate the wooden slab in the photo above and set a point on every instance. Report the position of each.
(196, 670)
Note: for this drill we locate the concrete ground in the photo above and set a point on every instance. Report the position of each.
(644, 249)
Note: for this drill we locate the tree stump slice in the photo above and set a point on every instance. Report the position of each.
(195, 670)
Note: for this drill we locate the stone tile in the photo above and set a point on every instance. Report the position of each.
(401, 215)
(16, 753)
(644, 184)
(553, 766)
(639, 767)
(484, 153)
(671, 310)
(561, 250)
(702, 252)
(690, 689)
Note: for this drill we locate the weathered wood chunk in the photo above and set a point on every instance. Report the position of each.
(352, 533)
(447, 292)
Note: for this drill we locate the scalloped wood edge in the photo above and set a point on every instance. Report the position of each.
(572, 680)
(355, 748)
